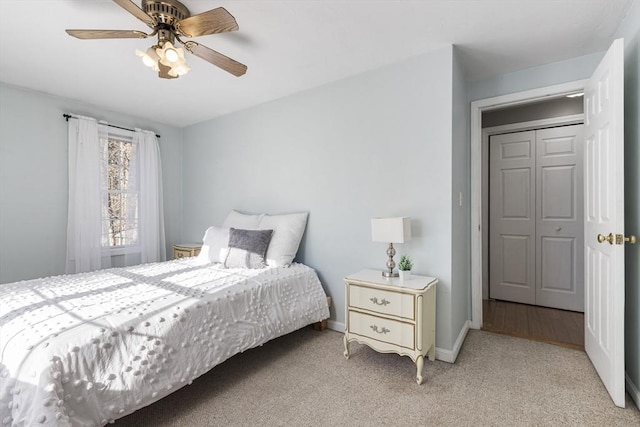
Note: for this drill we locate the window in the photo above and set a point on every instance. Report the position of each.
(115, 197)
(120, 192)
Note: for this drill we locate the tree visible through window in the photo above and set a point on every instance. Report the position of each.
(120, 207)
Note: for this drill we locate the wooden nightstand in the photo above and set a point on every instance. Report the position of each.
(185, 250)
(392, 316)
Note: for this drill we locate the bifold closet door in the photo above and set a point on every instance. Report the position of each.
(512, 221)
(560, 219)
(536, 217)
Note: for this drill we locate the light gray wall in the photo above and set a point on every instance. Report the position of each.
(377, 144)
(461, 212)
(531, 78)
(557, 107)
(630, 30)
(34, 178)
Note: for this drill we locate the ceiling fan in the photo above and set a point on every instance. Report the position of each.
(170, 20)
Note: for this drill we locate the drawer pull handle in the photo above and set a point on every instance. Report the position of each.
(383, 302)
(380, 331)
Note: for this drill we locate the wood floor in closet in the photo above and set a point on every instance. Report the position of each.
(560, 327)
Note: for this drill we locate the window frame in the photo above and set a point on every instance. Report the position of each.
(123, 137)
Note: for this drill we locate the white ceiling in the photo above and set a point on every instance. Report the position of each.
(288, 46)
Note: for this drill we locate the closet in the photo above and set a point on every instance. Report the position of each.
(536, 217)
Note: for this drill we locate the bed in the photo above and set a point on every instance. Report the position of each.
(86, 349)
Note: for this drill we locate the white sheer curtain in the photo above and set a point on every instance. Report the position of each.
(151, 217)
(84, 224)
(88, 225)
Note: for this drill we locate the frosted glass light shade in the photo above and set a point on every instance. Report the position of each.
(149, 58)
(179, 68)
(171, 55)
(391, 230)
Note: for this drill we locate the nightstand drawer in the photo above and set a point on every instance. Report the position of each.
(381, 301)
(380, 329)
(178, 253)
(186, 250)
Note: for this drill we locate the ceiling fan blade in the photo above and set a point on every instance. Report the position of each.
(133, 9)
(211, 22)
(164, 72)
(107, 34)
(216, 58)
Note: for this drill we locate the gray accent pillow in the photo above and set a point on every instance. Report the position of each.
(247, 248)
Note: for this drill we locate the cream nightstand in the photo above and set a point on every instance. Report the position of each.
(392, 316)
(185, 250)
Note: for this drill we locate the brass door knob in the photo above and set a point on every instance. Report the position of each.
(602, 238)
(619, 239)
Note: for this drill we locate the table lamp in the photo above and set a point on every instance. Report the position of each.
(391, 230)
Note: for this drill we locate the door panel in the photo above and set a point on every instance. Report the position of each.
(515, 249)
(516, 193)
(559, 225)
(558, 264)
(604, 192)
(512, 217)
(558, 188)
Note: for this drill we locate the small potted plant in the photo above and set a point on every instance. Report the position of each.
(405, 265)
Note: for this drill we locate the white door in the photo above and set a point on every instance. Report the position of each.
(512, 223)
(604, 216)
(560, 218)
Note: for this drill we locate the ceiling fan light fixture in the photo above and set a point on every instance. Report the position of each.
(149, 58)
(170, 19)
(169, 54)
(179, 68)
(173, 57)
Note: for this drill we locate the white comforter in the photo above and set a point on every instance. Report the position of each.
(85, 349)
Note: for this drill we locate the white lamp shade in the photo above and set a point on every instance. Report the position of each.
(391, 230)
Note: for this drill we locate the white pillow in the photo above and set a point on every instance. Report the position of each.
(239, 220)
(214, 241)
(287, 233)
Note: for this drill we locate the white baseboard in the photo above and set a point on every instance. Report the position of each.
(441, 354)
(451, 355)
(633, 391)
(335, 326)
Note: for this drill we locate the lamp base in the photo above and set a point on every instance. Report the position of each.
(391, 251)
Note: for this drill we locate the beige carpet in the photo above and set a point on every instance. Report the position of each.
(302, 379)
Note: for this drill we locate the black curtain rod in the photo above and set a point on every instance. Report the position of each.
(68, 116)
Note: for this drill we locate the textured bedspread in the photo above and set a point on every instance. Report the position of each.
(86, 349)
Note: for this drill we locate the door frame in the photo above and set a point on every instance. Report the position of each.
(477, 108)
